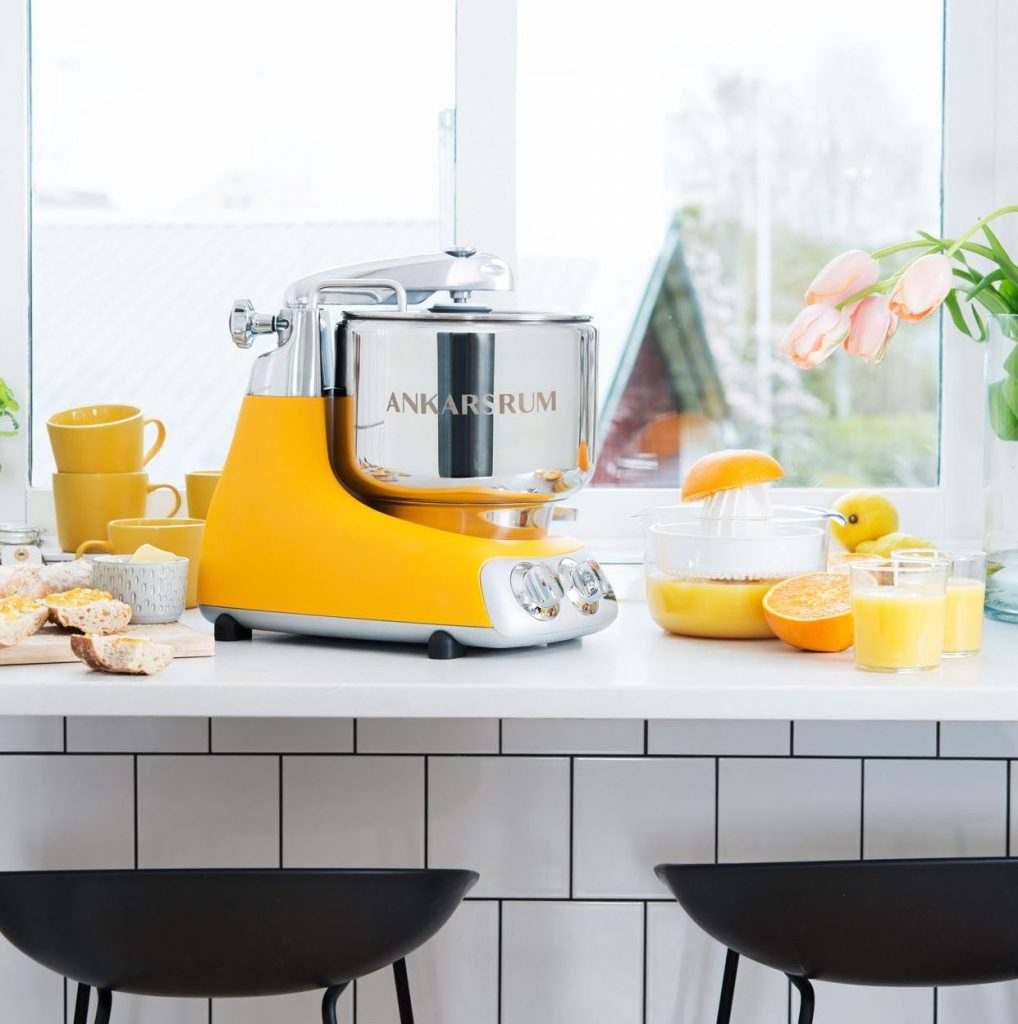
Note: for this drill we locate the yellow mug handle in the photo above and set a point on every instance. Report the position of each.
(176, 497)
(160, 438)
(102, 546)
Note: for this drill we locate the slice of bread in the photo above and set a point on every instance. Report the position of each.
(39, 580)
(20, 617)
(125, 655)
(90, 611)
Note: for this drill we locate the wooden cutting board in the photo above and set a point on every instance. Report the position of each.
(52, 645)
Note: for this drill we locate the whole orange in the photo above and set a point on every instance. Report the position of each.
(812, 612)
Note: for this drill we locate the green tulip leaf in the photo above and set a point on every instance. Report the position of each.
(1011, 364)
(1009, 293)
(1002, 412)
(1000, 254)
(954, 308)
(984, 282)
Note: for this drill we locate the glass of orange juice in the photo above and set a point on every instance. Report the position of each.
(898, 611)
(966, 592)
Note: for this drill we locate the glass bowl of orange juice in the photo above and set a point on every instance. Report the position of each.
(708, 577)
(898, 613)
(963, 600)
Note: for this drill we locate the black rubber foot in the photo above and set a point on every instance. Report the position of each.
(228, 628)
(442, 646)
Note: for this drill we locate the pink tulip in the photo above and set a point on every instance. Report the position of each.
(815, 334)
(922, 288)
(845, 275)
(872, 326)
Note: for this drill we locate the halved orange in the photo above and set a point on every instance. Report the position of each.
(733, 467)
(812, 612)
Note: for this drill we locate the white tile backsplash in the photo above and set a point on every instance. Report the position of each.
(208, 811)
(572, 963)
(850, 1004)
(554, 960)
(137, 735)
(282, 735)
(353, 812)
(684, 971)
(427, 736)
(866, 739)
(506, 817)
(981, 1004)
(715, 738)
(572, 736)
(66, 811)
(979, 739)
(935, 809)
(632, 813)
(788, 809)
(23, 733)
(453, 978)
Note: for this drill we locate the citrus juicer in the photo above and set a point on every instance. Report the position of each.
(395, 468)
(709, 565)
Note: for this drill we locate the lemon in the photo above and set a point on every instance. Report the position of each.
(883, 546)
(870, 516)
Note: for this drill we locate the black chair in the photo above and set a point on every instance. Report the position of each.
(878, 922)
(223, 933)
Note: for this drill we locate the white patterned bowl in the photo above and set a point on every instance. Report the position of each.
(156, 591)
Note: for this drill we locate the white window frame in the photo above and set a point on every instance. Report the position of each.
(980, 161)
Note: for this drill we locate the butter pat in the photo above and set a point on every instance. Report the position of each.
(150, 553)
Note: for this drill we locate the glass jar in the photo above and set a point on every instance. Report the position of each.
(1001, 468)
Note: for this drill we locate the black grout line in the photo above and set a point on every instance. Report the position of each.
(1007, 811)
(936, 1004)
(938, 739)
(862, 807)
(210, 735)
(353, 1000)
(65, 734)
(498, 987)
(65, 1001)
(500, 735)
(791, 739)
(717, 805)
(135, 786)
(210, 1011)
(427, 776)
(643, 1011)
(572, 820)
(646, 737)
(354, 736)
(280, 810)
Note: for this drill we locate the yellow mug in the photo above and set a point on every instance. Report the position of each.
(201, 485)
(180, 536)
(102, 439)
(86, 502)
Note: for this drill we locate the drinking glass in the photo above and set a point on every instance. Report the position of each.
(898, 612)
(966, 593)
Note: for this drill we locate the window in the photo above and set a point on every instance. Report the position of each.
(677, 170)
(683, 172)
(188, 154)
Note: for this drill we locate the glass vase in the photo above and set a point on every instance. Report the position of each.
(1001, 468)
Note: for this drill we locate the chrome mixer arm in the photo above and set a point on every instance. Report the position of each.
(457, 271)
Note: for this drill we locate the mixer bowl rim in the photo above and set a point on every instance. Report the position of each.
(496, 316)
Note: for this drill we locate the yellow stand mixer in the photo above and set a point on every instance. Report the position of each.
(394, 469)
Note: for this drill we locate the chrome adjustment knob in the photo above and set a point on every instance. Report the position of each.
(245, 323)
(537, 589)
(586, 584)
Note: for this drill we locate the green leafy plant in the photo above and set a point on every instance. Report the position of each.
(9, 407)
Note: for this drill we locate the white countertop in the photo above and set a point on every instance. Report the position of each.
(631, 670)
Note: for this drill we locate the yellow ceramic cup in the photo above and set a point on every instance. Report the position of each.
(201, 485)
(102, 439)
(86, 502)
(179, 536)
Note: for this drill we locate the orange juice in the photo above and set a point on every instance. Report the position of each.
(712, 608)
(963, 626)
(898, 629)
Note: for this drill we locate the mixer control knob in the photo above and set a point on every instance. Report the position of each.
(245, 323)
(537, 589)
(585, 584)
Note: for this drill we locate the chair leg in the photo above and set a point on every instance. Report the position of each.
(805, 998)
(81, 1003)
(728, 987)
(406, 1010)
(105, 1003)
(329, 1000)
